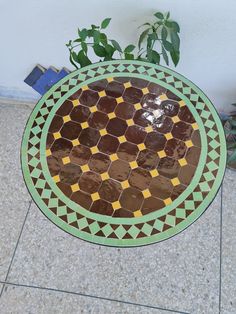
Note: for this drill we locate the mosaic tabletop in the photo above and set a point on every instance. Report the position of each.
(123, 153)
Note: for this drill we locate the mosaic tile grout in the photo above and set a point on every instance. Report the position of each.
(17, 243)
(92, 296)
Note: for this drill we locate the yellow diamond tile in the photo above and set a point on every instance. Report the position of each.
(93, 108)
(189, 143)
(56, 178)
(57, 135)
(154, 173)
(48, 152)
(149, 129)
(66, 118)
(194, 126)
(103, 132)
(133, 164)
(119, 100)
(181, 103)
(75, 102)
(137, 106)
(75, 187)
(168, 201)
(168, 136)
(116, 205)
(127, 84)
(94, 150)
(75, 142)
(66, 160)
(138, 213)
(111, 115)
(130, 122)
(95, 196)
(85, 87)
(145, 90)
(146, 193)
(102, 93)
(85, 168)
(110, 79)
(163, 97)
(175, 181)
(105, 176)
(122, 139)
(141, 146)
(84, 125)
(113, 157)
(161, 154)
(182, 162)
(125, 184)
(175, 119)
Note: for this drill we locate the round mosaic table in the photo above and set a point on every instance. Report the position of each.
(123, 153)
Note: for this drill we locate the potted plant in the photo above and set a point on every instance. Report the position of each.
(229, 122)
(157, 41)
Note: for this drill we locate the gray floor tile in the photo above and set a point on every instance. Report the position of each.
(18, 300)
(181, 273)
(229, 244)
(13, 193)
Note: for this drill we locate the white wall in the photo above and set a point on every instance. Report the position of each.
(35, 31)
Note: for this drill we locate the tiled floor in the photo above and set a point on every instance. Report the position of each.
(45, 270)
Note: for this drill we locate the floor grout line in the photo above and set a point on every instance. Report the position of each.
(92, 296)
(18, 240)
(221, 220)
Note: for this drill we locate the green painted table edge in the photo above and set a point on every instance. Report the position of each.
(170, 77)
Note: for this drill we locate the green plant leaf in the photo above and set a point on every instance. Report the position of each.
(110, 50)
(230, 131)
(159, 15)
(164, 55)
(103, 38)
(145, 24)
(94, 26)
(142, 37)
(129, 56)
(164, 33)
(175, 40)
(129, 48)
(83, 60)
(83, 34)
(74, 56)
(96, 36)
(232, 157)
(167, 15)
(232, 121)
(84, 47)
(99, 50)
(175, 57)
(105, 23)
(78, 40)
(72, 61)
(173, 25)
(153, 56)
(116, 45)
(167, 45)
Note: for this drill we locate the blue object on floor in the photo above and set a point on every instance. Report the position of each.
(42, 83)
(34, 75)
